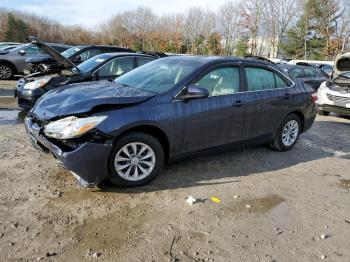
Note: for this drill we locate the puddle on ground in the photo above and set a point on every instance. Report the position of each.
(8, 102)
(345, 183)
(10, 116)
(263, 205)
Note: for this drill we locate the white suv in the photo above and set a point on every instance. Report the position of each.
(334, 95)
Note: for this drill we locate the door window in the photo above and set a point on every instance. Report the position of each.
(89, 53)
(259, 79)
(309, 72)
(221, 81)
(297, 73)
(117, 67)
(143, 60)
(263, 79)
(33, 50)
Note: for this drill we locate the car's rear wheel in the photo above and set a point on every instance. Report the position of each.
(323, 113)
(6, 71)
(288, 133)
(136, 159)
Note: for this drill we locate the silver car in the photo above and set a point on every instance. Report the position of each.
(13, 62)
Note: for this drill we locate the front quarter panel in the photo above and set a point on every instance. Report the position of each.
(157, 112)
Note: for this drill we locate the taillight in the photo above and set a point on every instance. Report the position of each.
(314, 97)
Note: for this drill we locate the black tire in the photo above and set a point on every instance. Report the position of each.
(278, 143)
(136, 137)
(323, 113)
(6, 71)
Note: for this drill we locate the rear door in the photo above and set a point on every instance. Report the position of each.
(215, 120)
(268, 99)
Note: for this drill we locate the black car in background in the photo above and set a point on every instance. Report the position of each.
(171, 107)
(76, 55)
(310, 75)
(13, 61)
(106, 66)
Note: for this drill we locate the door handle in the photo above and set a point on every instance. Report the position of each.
(238, 103)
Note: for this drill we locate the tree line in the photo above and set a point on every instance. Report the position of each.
(310, 29)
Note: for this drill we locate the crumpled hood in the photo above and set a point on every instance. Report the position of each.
(83, 97)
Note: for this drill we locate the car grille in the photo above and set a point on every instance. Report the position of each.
(339, 98)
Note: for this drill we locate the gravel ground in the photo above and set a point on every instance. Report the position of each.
(292, 206)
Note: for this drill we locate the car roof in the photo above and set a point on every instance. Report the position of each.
(119, 54)
(59, 45)
(219, 59)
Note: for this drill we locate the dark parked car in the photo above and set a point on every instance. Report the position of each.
(13, 61)
(310, 75)
(104, 66)
(168, 108)
(76, 54)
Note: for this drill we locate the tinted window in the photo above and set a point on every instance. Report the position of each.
(71, 51)
(92, 63)
(280, 83)
(143, 60)
(160, 75)
(32, 50)
(259, 79)
(117, 67)
(309, 72)
(297, 73)
(221, 81)
(89, 53)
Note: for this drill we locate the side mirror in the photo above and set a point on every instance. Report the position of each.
(194, 92)
(22, 52)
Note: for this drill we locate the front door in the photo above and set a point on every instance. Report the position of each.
(215, 120)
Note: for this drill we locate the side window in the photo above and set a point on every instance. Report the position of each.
(297, 73)
(221, 81)
(280, 83)
(33, 50)
(259, 79)
(309, 72)
(117, 67)
(89, 53)
(143, 60)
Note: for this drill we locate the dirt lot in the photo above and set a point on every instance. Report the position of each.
(292, 206)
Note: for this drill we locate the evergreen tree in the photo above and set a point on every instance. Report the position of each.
(16, 29)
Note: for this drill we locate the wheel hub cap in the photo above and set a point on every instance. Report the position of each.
(135, 161)
(290, 133)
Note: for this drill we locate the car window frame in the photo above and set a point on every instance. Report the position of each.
(111, 60)
(269, 68)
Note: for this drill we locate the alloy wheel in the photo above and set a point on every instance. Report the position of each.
(290, 133)
(135, 161)
(5, 72)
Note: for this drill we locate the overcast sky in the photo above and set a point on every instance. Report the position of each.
(90, 13)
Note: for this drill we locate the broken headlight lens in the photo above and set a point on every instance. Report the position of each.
(37, 83)
(71, 127)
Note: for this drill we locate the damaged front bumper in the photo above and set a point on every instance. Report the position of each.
(88, 162)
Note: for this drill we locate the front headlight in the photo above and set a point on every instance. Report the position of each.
(72, 126)
(37, 83)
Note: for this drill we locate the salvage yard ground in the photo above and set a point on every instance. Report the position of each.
(291, 206)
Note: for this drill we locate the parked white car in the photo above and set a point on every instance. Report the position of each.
(334, 95)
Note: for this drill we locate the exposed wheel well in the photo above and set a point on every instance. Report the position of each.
(156, 133)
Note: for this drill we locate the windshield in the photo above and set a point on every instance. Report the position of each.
(158, 76)
(71, 51)
(91, 63)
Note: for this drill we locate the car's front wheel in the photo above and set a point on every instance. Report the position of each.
(136, 159)
(323, 113)
(6, 71)
(288, 133)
